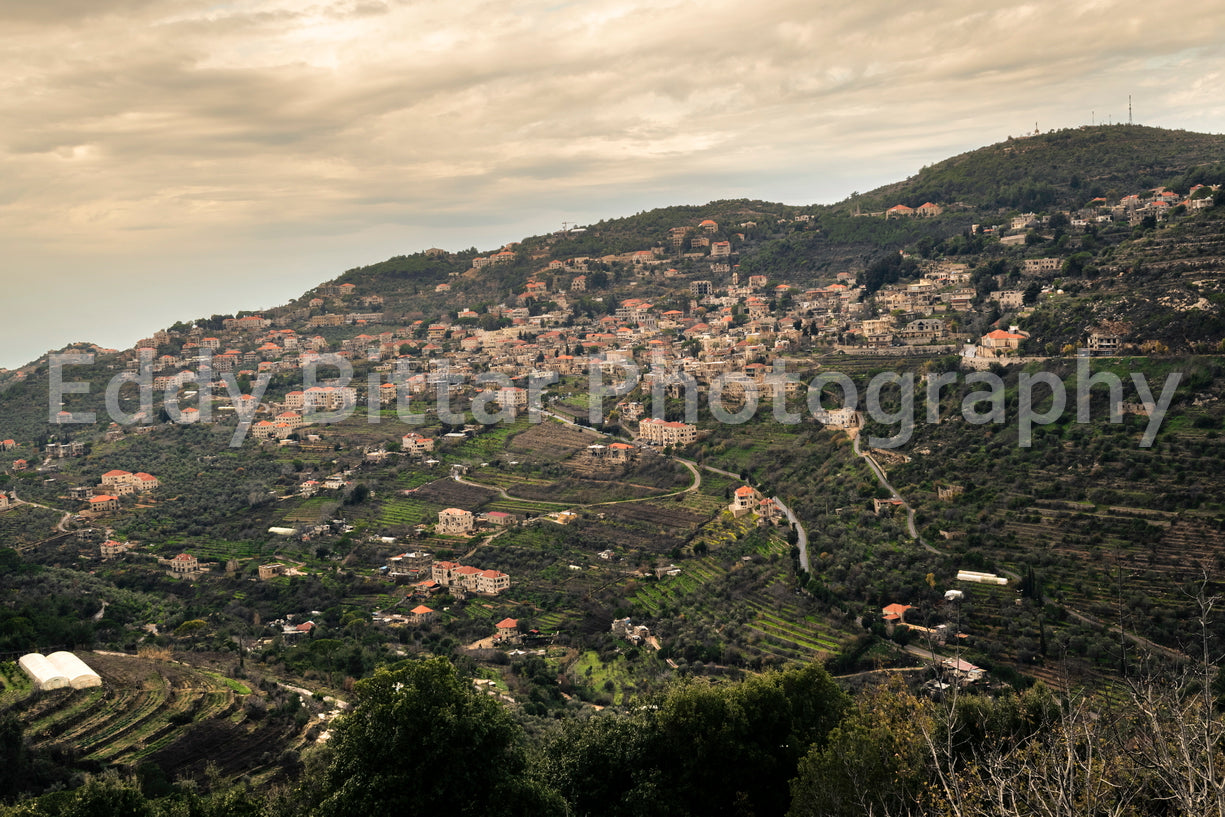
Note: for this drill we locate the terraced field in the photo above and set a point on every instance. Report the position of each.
(151, 710)
(776, 625)
(407, 512)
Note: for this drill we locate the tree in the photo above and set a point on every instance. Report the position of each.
(421, 740)
(700, 749)
(875, 761)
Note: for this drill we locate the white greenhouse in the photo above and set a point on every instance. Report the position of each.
(78, 673)
(58, 671)
(42, 672)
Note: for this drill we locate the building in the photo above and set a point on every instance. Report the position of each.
(422, 615)
(635, 634)
(409, 566)
(61, 450)
(621, 452)
(1038, 266)
(744, 500)
(664, 433)
(1104, 342)
(978, 577)
(499, 518)
(1008, 299)
(512, 399)
(508, 631)
(950, 492)
(455, 522)
(104, 503)
(183, 563)
(414, 443)
(895, 613)
(269, 571)
(470, 579)
(124, 483)
(1000, 342)
(111, 548)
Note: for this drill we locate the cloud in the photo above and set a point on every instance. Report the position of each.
(145, 128)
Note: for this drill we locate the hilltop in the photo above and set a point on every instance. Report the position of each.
(1063, 168)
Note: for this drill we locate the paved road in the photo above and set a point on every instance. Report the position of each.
(884, 480)
(61, 526)
(697, 483)
(802, 535)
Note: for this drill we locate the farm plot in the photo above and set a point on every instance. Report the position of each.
(550, 441)
(409, 511)
(311, 511)
(490, 444)
(451, 494)
(672, 516)
(154, 710)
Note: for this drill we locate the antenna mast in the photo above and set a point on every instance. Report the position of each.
(1129, 109)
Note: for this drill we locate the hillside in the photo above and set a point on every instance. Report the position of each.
(433, 514)
(1062, 168)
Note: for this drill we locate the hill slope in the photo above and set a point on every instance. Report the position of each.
(1066, 168)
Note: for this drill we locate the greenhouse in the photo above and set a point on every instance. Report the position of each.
(78, 673)
(42, 672)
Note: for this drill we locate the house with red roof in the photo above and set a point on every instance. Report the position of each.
(104, 503)
(664, 433)
(895, 612)
(470, 579)
(999, 341)
(744, 500)
(507, 631)
(421, 615)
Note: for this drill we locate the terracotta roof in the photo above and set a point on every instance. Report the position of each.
(507, 624)
(1000, 334)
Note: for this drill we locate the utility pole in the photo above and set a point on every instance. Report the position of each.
(1129, 109)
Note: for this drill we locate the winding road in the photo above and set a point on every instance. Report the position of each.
(61, 526)
(801, 534)
(1138, 640)
(893, 492)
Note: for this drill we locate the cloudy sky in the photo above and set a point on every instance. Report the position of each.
(168, 159)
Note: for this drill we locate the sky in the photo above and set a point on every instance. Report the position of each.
(163, 160)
